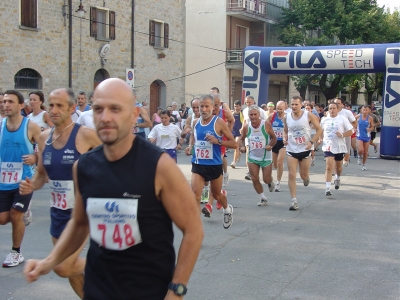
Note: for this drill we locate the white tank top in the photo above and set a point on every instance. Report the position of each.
(38, 119)
(299, 133)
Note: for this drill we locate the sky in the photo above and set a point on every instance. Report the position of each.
(390, 3)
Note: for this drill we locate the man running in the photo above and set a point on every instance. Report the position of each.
(58, 149)
(207, 140)
(278, 150)
(143, 120)
(364, 128)
(335, 129)
(128, 211)
(261, 139)
(298, 141)
(17, 136)
(237, 125)
(82, 103)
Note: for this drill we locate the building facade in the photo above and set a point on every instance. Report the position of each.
(226, 27)
(45, 44)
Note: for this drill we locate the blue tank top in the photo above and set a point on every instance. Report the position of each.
(140, 119)
(236, 125)
(206, 153)
(277, 126)
(58, 162)
(362, 132)
(13, 145)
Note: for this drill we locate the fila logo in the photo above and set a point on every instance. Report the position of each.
(295, 59)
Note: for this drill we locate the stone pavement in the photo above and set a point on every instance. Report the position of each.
(346, 246)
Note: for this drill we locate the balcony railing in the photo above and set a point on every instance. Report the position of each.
(255, 7)
(234, 56)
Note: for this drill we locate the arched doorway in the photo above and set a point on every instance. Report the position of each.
(157, 96)
(99, 76)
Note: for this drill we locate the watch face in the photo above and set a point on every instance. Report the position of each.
(180, 289)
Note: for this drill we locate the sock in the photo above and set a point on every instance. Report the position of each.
(16, 249)
(205, 188)
(328, 185)
(337, 177)
(262, 196)
(227, 210)
(278, 182)
(294, 200)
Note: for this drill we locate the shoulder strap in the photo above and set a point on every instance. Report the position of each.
(273, 118)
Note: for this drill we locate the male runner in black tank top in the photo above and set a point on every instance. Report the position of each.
(131, 253)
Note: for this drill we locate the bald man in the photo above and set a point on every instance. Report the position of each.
(58, 149)
(127, 211)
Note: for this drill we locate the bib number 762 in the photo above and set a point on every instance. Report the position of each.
(118, 237)
(202, 153)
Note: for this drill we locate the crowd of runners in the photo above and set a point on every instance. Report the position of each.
(100, 175)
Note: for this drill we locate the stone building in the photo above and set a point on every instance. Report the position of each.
(46, 44)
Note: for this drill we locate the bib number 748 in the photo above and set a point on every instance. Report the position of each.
(123, 238)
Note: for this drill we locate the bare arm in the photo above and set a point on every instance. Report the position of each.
(69, 242)
(89, 139)
(229, 116)
(47, 119)
(285, 131)
(187, 129)
(184, 212)
(243, 135)
(146, 118)
(223, 129)
(272, 136)
(313, 119)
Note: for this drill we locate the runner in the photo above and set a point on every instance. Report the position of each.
(334, 130)
(17, 136)
(279, 149)
(270, 109)
(353, 136)
(206, 161)
(365, 126)
(237, 125)
(309, 108)
(131, 254)
(86, 119)
(165, 135)
(58, 149)
(261, 139)
(39, 115)
(297, 138)
(375, 122)
(143, 120)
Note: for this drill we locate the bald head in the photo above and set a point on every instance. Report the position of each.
(115, 87)
(65, 93)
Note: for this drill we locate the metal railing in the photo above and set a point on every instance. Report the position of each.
(234, 55)
(255, 7)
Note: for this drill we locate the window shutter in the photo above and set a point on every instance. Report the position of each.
(93, 21)
(166, 35)
(112, 25)
(152, 31)
(29, 13)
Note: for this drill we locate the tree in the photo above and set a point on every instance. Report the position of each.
(333, 22)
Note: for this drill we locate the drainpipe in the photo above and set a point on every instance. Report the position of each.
(133, 36)
(70, 44)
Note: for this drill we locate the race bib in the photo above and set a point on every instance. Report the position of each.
(113, 222)
(298, 137)
(278, 132)
(255, 142)
(62, 194)
(204, 150)
(11, 172)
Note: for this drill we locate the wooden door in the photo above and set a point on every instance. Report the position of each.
(154, 97)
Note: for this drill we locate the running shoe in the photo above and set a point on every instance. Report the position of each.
(27, 217)
(207, 210)
(204, 196)
(278, 187)
(328, 192)
(306, 182)
(13, 259)
(363, 168)
(233, 165)
(336, 182)
(359, 160)
(345, 163)
(355, 153)
(228, 218)
(271, 186)
(218, 205)
(263, 202)
(312, 162)
(247, 177)
(294, 206)
(226, 180)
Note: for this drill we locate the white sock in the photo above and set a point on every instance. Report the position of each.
(328, 185)
(205, 188)
(262, 196)
(294, 200)
(278, 182)
(337, 177)
(227, 210)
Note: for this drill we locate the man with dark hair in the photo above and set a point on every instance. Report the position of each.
(82, 104)
(214, 90)
(17, 136)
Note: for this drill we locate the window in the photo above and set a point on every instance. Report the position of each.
(28, 79)
(102, 23)
(29, 13)
(158, 34)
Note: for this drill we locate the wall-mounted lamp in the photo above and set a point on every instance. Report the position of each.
(81, 12)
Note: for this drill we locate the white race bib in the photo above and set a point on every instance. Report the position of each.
(204, 150)
(113, 222)
(62, 194)
(278, 132)
(11, 172)
(298, 137)
(256, 142)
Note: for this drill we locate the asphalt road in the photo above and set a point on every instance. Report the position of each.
(341, 247)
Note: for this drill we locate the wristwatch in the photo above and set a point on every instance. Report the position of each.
(179, 289)
(219, 142)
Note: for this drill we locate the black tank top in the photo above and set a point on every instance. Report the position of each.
(142, 271)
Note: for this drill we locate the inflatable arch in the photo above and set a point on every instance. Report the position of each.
(259, 62)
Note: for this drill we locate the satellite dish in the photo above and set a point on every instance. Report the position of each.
(104, 50)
